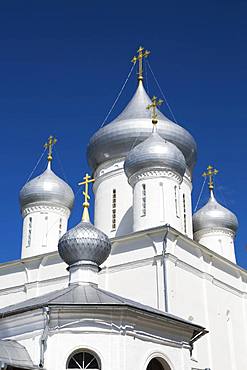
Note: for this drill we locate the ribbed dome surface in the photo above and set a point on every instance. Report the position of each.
(214, 215)
(84, 243)
(47, 188)
(131, 127)
(156, 153)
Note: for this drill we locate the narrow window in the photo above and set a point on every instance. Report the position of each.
(114, 208)
(176, 199)
(29, 235)
(60, 228)
(143, 199)
(44, 244)
(184, 208)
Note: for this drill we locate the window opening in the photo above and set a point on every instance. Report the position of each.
(83, 360)
(144, 201)
(60, 228)
(114, 208)
(29, 235)
(44, 244)
(176, 200)
(184, 208)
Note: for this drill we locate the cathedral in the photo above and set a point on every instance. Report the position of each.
(148, 285)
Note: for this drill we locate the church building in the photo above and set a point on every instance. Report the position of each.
(148, 285)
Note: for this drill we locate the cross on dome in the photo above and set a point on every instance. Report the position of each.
(211, 172)
(153, 106)
(49, 145)
(87, 180)
(141, 54)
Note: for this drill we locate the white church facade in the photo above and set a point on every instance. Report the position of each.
(149, 286)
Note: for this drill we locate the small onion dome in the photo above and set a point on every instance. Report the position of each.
(213, 215)
(131, 127)
(155, 153)
(84, 243)
(47, 188)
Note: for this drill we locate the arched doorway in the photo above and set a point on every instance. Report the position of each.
(158, 364)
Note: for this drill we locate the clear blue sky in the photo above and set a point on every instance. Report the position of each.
(62, 64)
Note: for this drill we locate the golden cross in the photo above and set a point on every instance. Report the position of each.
(87, 179)
(211, 172)
(141, 54)
(50, 142)
(153, 106)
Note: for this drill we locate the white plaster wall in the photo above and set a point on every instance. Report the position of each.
(45, 229)
(122, 340)
(116, 351)
(30, 277)
(108, 177)
(220, 241)
(210, 293)
(201, 285)
(160, 203)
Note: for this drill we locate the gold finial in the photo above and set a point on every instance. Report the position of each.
(153, 106)
(211, 172)
(50, 142)
(141, 54)
(87, 179)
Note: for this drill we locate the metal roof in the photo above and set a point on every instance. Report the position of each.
(47, 188)
(213, 215)
(14, 354)
(132, 127)
(85, 295)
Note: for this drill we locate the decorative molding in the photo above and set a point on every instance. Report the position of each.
(204, 275)
(106, 167)
(213, 232)
(154, 173)
(109, 175)
(45, 208)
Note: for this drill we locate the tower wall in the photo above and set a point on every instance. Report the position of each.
(126, 210)
(113, 200)
(219, 240)
(156, 200)
(160, 198)
(43, 225)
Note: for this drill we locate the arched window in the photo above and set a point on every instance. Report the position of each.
(83, 360)
(158, 364)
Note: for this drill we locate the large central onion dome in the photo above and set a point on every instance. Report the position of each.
(131, 127)
(213, 215)
(48, 189)
(156, 153)
(84, 243)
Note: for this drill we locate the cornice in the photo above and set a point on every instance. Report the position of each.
(151, 173)
(213, 232)
(161, 230)
(104, 168)
(45, 208)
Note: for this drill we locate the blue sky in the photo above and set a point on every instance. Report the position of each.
(62, 63)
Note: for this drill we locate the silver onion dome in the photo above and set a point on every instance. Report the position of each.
(84, 243)
(132, 127)
(157, 153)
(213, 215)
(47, 188)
